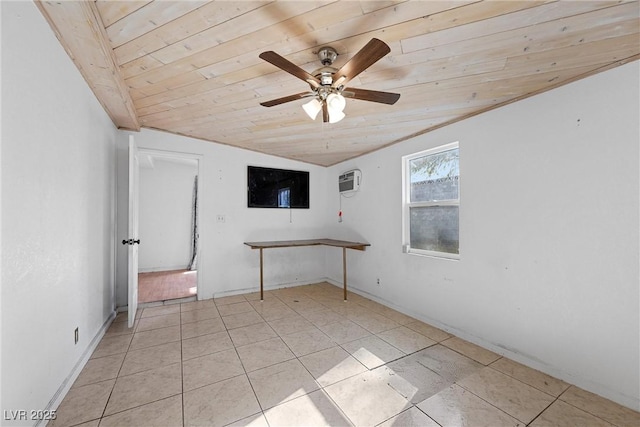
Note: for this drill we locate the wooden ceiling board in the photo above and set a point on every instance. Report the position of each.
(79, 28)
(192, 67)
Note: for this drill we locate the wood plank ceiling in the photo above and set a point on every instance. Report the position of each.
(192, 67)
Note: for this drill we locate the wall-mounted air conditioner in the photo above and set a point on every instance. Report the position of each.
(349, 181)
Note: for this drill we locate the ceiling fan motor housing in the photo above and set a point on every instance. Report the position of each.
(327, 55)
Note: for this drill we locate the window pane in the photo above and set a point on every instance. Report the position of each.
(435, 177)
(284, 195)
(435, 228)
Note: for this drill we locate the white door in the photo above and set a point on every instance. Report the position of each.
(133, 240)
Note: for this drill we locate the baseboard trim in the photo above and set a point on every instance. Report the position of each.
(75, 372)
(267, 287)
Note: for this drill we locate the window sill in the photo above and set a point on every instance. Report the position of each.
(431, 254)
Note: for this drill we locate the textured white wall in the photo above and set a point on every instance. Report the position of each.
(549, 224)
(226, 265)
(166, 194)
(58, 215)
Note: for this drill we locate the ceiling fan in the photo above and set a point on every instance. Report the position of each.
(328, 83)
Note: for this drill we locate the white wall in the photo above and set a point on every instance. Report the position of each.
(58, 216)
(548, 271)
(225, 264)
(166, 198)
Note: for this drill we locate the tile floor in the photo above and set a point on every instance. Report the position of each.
(304, 357)
(166, 285)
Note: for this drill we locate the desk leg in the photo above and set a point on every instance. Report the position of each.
(261, 277)
(344, 271)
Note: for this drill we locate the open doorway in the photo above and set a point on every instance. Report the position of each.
(168, 226)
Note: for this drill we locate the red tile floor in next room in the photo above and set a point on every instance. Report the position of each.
(166, 285)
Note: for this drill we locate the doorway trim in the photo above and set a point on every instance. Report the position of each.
(188, 156)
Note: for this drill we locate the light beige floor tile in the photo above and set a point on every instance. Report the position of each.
(601, 407)
(123, 316)
(205, 344)
(277, 313)
(561, 414)
(160, 310)
(290, 325)
(374, 323)
(110, 345)
(339, 306)
(323, 317)
(255, 296)
(406, 339)
(428, 330)
(242, 319)
(266, 304)
(203, 327)
(151, 358)
(373, 306)
(332, 365)
(344, 331)
(307, 342)
(101, 369)
(396, 316)
(372, 351)
(197, 305)
(83, 404)
(516, 398)
(145, 387)
(165, 412)
(252, 334)
(198, 315)
(530, 376)
(457, 407)
(413, 380)
(313, 409)
(305, 306)
(157, 322)
(412, 417)
(264, 353)
(257, 420)
(233, 299)
(279, 383)
(450, 365)
(155, 337)
(367, 399)
(121, 328)
(219, 404)
(209, 369)
(235, 308)
(93, 423)
(473, 351)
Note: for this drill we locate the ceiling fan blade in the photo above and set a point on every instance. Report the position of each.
(367, 56)
(289, 67)
(286, 99)
(325, 112)
(371, 95)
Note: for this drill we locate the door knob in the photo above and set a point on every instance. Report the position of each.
(130, 242)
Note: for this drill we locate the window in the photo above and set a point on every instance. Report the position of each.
(431, 202)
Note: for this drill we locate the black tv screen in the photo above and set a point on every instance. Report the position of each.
(277, 188)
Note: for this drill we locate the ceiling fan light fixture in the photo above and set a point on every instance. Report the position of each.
(312, 108)
(335, 116)
(336, 102)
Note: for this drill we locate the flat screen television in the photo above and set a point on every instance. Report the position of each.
(277, 188)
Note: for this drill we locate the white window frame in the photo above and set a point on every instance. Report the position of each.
(407, 204)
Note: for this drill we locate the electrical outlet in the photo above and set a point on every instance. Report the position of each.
(378, 281)
(220, 218)
(76, 336)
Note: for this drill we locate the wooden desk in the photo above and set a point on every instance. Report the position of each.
(311, 242)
